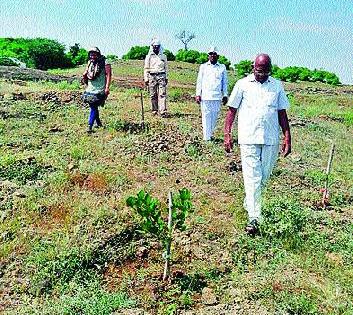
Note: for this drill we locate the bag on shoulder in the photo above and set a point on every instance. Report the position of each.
(93, 98)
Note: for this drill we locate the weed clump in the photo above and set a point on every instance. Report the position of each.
(129, 127)
(22, 171)
(283, 219)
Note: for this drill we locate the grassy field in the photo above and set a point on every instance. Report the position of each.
(70, 245)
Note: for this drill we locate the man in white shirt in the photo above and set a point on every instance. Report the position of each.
(261, 104)
(211, 90)
(155, 76)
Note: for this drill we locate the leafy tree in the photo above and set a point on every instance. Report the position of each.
(47, 53)
(74, 50)
(77, 55)
(243, 68)
(81, 57)
(41, 53)
(112, 57)
(203, 57)
(190, 56)
(290, 74)
(225, 61)
(140, 52)
(8, 61)
(331, 78)
(304, 74)
(137, 53)
(170, 56)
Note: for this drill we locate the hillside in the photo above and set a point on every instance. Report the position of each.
(70, 245)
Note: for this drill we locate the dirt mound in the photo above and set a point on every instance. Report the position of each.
(171, 142)
(62, 97)
(26, 74)
(56, 97)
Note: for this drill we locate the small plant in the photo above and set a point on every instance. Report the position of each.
(22, 171)
(283, 219)
(297, 305)
(152, 216)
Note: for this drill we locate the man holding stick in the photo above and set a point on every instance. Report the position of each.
(261, 104)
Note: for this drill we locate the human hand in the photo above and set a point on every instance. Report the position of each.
(225, 100)
(84, 79)
(198, 99)
(228, 142)
(286, 147)
(106, 91)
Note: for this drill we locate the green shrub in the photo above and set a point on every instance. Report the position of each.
(170, 56)
(46, 54)
(225, 61)
(22, 171)
(190, 56)
(87, 297)
(112, 58)
(243, 68)
(297, 305)
(8, 61)
(40, 53)
(289, 74)
(137, 53)
(283, 219)
(193, 56)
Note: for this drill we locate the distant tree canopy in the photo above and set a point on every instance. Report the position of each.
(243, 68)
(170, 56)
(42, 53)
(290, 74)
(140, 52)
(294, 74)
(190, 56)
(112, 57)
(193, 56)
(77, 55)
(137, 53)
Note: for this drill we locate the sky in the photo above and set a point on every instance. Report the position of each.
(314, 34)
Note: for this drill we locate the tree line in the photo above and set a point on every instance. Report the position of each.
(290, 74)
(44, 53)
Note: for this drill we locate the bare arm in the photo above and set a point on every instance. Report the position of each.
(287, 141)
(108, 78)
(228, 142)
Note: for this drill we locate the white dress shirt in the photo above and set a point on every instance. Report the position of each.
(258, 105)
(212, 81)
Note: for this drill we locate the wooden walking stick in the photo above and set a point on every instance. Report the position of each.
(169, 241)
(325, 195)
(142, 112)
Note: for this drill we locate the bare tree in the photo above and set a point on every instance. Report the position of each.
(185, 37)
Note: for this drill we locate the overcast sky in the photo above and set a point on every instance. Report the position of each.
(315, 34)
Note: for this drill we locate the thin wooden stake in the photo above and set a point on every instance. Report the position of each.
(325, 194)
(167, 253)
(142, 112)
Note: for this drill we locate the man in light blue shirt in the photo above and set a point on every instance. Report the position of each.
(261, 104)
(211, 90)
